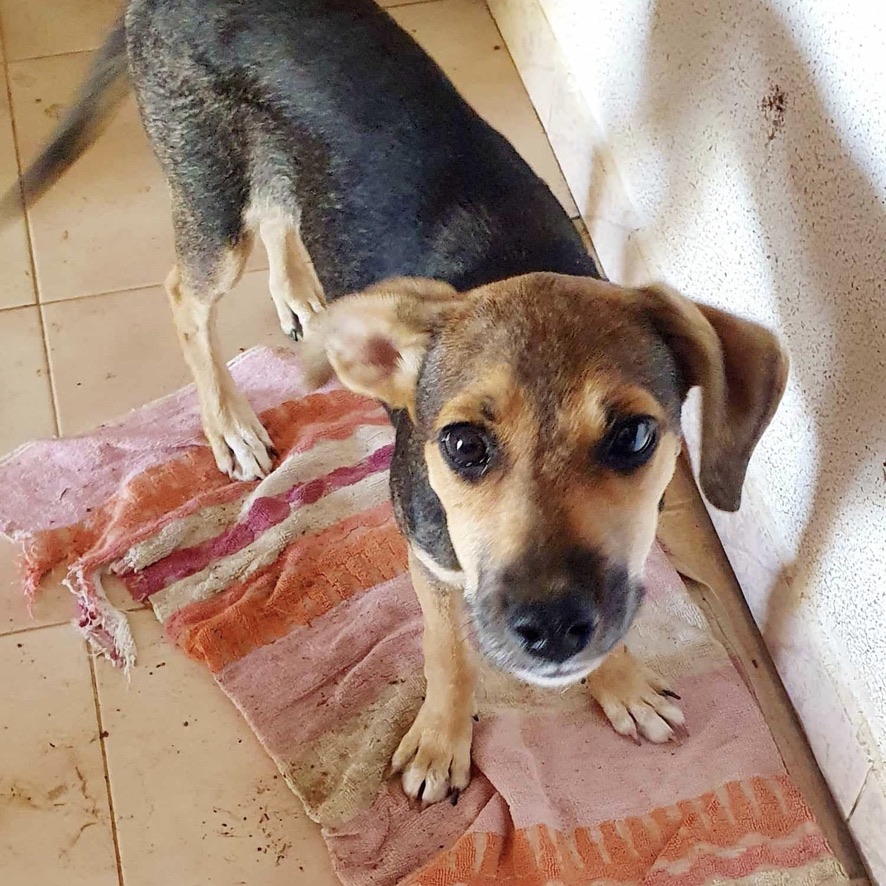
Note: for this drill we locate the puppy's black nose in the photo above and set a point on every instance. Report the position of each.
(554, 630)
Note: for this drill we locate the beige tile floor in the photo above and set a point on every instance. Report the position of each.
(159, 780)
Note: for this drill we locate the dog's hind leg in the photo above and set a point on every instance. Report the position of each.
(295, 287)
(239, 442)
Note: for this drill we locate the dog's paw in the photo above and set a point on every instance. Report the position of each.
(296, 321)
(240, 444)
(434, 757)
(636, 700)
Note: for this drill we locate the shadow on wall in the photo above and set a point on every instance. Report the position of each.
(822, 219)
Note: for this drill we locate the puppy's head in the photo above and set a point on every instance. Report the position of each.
(549, 411)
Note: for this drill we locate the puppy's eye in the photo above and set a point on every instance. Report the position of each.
(467, 448)
(630, 443)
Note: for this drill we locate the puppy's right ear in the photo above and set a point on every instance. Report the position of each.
(375, 341)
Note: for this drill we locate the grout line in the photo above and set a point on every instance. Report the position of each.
(30, 241)
(17, 632)
(855, 803)
(142, 287)
(91, 49)
(67, 52)
(87, 295)
(53, 388)
(401, 3)
(101, 739)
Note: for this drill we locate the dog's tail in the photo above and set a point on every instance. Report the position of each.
(105, 87)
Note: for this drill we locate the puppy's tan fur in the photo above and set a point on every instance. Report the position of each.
(239, 442)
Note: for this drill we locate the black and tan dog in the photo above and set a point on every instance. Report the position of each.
(537, 408)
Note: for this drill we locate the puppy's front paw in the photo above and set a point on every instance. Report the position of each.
(636, 700)
(239, 442)
(435, 756)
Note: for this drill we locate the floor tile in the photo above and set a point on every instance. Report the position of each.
(236, 821)
(533, 48)
(16, 281)
(104, 226)
(54, 818)
(35, 28)
(25, 400)
(112, 353)
(53, 605)
(464, 40)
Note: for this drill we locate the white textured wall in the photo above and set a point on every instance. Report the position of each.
(738, 149)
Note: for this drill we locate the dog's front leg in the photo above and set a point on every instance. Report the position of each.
(434, 757)
(239, 442)
(635, 699)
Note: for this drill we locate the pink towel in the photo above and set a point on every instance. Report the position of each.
(294, 593)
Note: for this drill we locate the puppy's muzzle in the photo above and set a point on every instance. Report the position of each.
(554, 615)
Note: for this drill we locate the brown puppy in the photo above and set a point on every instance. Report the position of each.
(537, 418)
(545, 412)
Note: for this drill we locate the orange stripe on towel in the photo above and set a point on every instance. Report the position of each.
(779, 834)
(312, 576)
(166, 492)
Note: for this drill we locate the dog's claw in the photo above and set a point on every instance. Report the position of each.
(669, 693)
(681, 733)
(454, 795)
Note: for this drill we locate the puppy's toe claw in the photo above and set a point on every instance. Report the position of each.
(681, 733)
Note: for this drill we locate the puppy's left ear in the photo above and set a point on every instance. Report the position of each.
(375, 340)
(742, 370)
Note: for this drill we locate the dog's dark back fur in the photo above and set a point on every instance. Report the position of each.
(330, 104)
(328, 111)
(330, 108)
